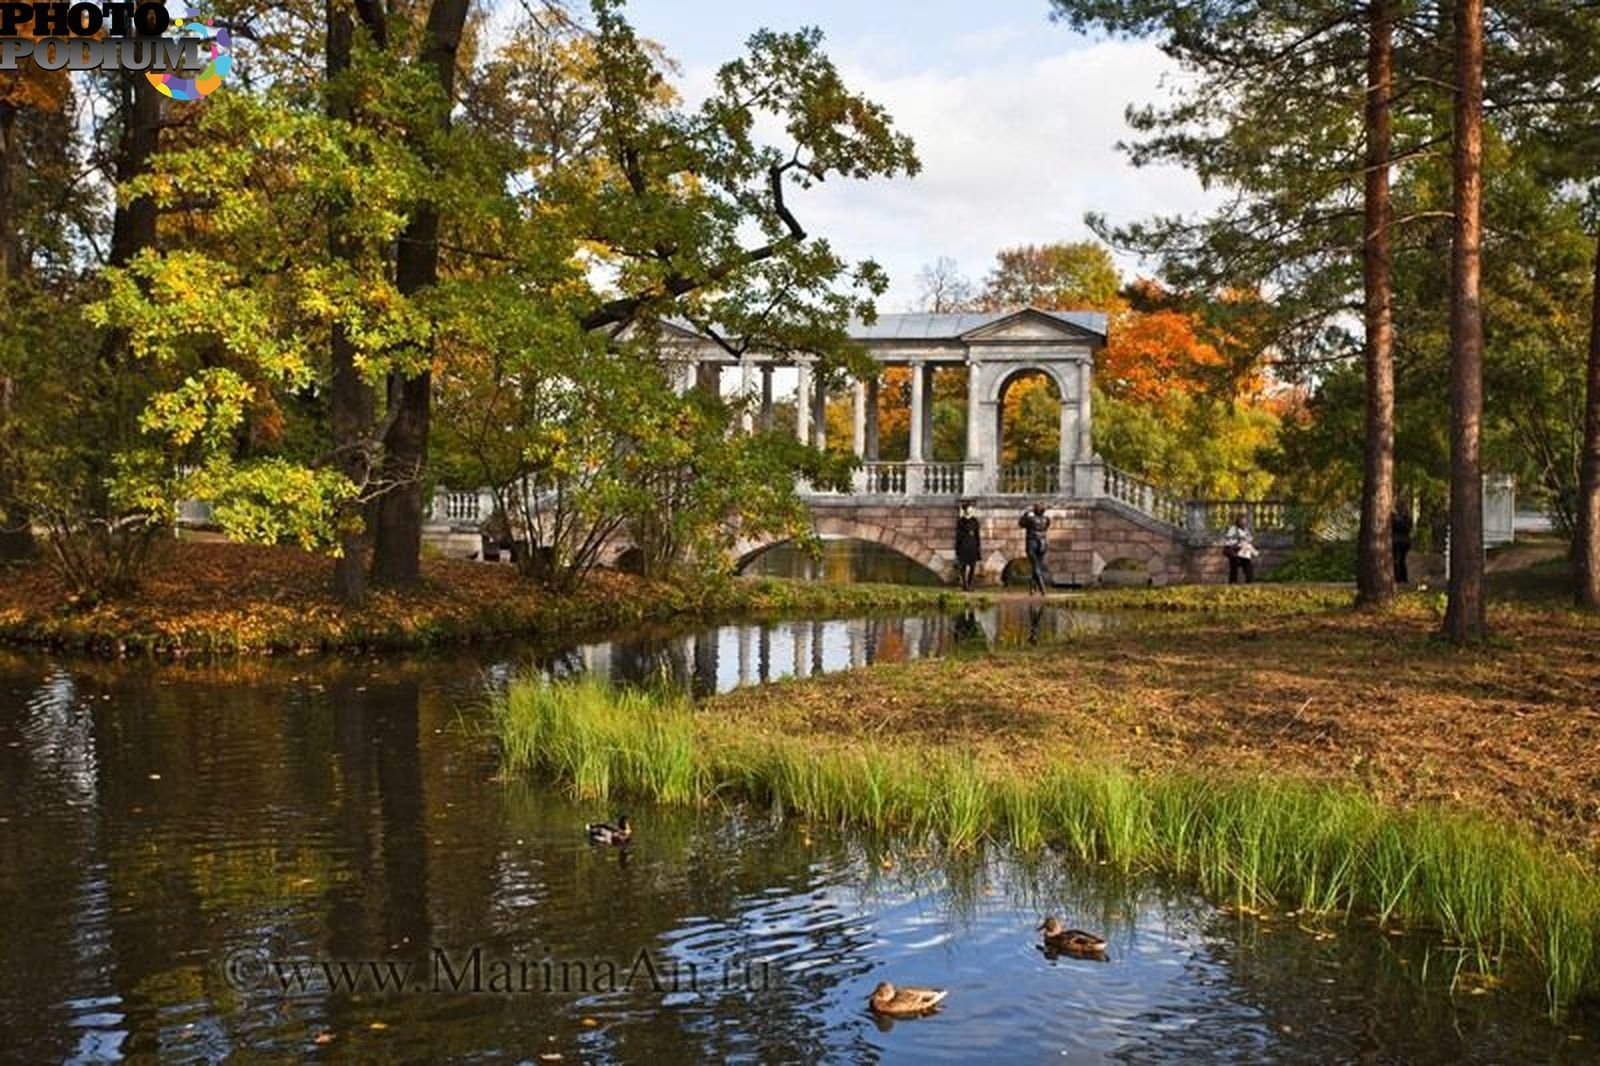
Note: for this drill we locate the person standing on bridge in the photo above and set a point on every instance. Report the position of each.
(1238, 544)
(1037, 525)
(969, 546)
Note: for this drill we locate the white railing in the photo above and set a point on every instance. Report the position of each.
(884, 479)
(915, 479)
(1260, 516)
(945, 479)
(1143, 497)
(459, 507)
(1030, 479)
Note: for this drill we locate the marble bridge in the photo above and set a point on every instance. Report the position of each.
(1102, 518)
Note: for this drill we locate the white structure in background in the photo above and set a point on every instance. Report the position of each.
(1499, 510)
(993, 350)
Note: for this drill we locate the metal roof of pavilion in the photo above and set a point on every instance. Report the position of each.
(918, 326)
(929, 327)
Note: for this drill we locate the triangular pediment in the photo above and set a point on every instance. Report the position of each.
(1031, 324)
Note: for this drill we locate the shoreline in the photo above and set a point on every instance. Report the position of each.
(232, 600)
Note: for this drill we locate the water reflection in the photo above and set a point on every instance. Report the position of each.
(719, 658)
(158, 822)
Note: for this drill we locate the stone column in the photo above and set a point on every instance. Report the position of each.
(766, 397)
(747, 420)
(802, 403)
(859, 394)
(914, 453)
(872, 421)
(819, 413)
(1085, 414)
(915, 431)
(859, 478)
(1067, 435)
(983, 430)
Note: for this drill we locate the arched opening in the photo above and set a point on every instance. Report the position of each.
(1126, 572)
(1030, 433)
(1017, 572)
(840, 560)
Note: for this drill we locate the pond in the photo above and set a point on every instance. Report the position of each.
(185, 845)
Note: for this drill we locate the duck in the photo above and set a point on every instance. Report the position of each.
(605, 833)
(894, 1002)
(1074, 942)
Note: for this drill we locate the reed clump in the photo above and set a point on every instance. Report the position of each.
(1255, 840)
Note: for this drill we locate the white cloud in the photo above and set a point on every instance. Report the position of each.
(1011, 152)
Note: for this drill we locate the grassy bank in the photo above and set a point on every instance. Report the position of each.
(213, 598)
(1253, 839)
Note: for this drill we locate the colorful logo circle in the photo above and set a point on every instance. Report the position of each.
(172, 83)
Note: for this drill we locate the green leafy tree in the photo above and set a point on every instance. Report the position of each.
(1063, 276)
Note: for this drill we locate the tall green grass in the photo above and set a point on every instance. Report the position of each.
(1258, 841)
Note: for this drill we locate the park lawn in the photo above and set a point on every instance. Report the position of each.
(1239, 682)
(206, 597)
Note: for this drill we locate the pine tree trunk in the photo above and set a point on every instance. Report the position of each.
(133, 226)
(1464, 616)
(1586, 537)
(352, 396)
(16, 527)
(397, 544)
(1374, 557)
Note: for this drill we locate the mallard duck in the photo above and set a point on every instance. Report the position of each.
(605, 833)
(1074, 942)
(905, 1002)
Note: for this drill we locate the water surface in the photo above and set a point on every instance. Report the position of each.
(175, 839)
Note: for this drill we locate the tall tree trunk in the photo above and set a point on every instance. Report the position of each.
(1586, 537)
(1464, 617)
(16, 527)
(1374, 558)
(133, 226)
(397, 544)
(133, 229)
(352, 396)
(10, 252)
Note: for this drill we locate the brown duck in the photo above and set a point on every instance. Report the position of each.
(617, 835)
(1074, 942)
(894, 1002)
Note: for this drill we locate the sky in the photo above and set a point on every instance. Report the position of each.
(1016, 121)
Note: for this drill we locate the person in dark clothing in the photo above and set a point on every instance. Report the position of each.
(1037, 525)
(1400, 543)
(969, 546)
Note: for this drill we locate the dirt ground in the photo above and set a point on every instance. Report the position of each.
(1512, 729)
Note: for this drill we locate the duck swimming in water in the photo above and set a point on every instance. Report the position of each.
(894, 1002)
(605, 833)
(1074, 942)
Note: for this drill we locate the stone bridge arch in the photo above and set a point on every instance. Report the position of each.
(912, 535)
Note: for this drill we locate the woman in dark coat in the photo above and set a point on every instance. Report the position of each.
(969, 546)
